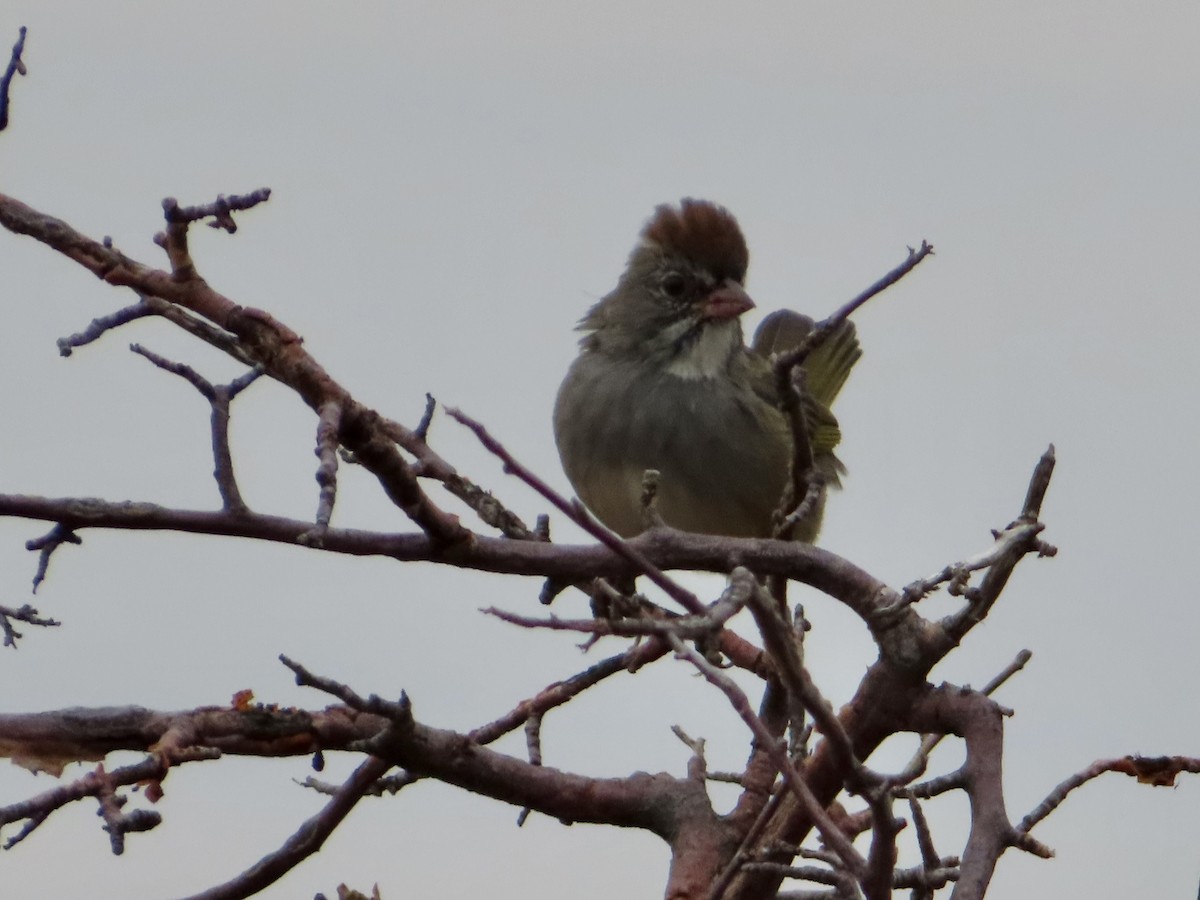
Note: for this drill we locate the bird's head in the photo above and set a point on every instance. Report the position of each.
(681, 294)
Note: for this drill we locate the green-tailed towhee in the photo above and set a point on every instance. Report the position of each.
(664, 381)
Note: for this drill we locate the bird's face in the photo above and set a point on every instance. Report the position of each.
(678, 302)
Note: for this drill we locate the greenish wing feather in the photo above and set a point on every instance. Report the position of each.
(826, 370)
(827, 367)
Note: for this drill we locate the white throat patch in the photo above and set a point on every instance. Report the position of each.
(709, 356)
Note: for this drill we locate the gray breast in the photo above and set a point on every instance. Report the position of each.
(723, 454)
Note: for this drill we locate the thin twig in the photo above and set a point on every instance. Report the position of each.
(920, 760)
(46, 545)
(732, 600)
(24, 613)
(829, 832)
(304, 841)
(329, 423)
(16, 66)
(778, 640)
(789, 387)
(102, 324)
(220, 210)
(422, 429)
(957, 575)
(1157, 771)
(915, 257)
(397, 711)
(582, 517)
(533, 746)
(431, 465)
(219, 398)
(689, 628)
(790, 359)
(651, 517)
(1027, 528)
(562, 692)
(929, 857)
(749, 842)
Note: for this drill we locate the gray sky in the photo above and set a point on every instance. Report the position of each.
(453, 185)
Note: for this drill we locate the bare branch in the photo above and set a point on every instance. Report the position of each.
(748, 845)
(1038, 485)
(957, 575)
(980, 722)
(220, 210)
(651, 517)
(533, 738)
(212, 335)
(430, 465)
(915, 257)
(881, 860)
(98, 326)
(533, 746)
(686, 627)
(46, 545)
(50, 740)
(421, 432)
(219, 398)
(99, 784)
(578, 514)
(778, 639)
(942, 784)
(561, 692)
(796, 356)
(305, 841)
(920, 760)
(930, 861)
(805, 488)
(698, 764)
(25, 613)
(399, 712)
(329, 423)
(186, 372)
(1157, 771)
(651, 621)
(16, 66)
(667, 549)
(795, 502)
(46, 741)
(830, 833)
(260, 338)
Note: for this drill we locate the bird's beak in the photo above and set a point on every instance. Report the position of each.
(728, 301)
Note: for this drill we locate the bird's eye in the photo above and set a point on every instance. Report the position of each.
(673, 284)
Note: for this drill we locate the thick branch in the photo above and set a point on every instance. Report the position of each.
(667, 549)
(260, 337)
(46, 741)
(980, 722)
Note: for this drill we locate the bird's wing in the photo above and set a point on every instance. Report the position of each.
(781, 331)
(827, 367)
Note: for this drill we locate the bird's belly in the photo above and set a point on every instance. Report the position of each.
(723, 454)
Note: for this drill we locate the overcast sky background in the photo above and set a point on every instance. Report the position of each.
(453, 185)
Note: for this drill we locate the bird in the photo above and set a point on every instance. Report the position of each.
(664, 380)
